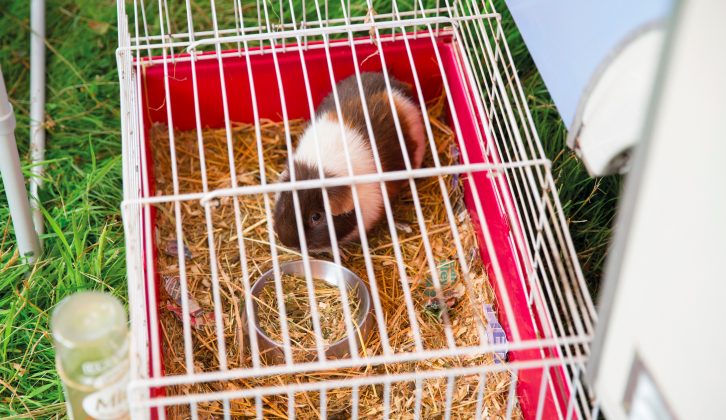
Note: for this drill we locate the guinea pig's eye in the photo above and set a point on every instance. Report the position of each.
(316, 218)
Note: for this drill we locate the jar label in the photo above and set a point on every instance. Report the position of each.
(109, 403)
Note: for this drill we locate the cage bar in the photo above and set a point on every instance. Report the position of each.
(197, 66)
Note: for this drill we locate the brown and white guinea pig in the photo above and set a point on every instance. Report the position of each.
(332, 153)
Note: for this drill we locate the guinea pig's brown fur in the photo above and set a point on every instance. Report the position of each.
(330, 142)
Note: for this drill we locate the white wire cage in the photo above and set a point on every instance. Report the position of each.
(189, 68)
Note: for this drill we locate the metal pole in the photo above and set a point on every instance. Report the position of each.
(17, 196)
(37, 107)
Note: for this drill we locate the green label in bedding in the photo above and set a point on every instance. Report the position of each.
(447, 277)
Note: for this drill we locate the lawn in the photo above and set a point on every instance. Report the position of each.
(84, 247)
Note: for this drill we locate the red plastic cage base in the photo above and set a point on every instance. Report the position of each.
(499, 225)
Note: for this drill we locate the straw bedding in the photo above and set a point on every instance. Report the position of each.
(297, 309)
(466, 302)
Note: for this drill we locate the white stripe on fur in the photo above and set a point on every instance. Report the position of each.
(334, 162)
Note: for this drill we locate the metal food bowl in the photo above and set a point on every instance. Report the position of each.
(273, 352)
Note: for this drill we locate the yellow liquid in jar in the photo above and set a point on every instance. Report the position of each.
(91, 340)
(107, 401)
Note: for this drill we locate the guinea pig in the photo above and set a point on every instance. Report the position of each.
(334, 163)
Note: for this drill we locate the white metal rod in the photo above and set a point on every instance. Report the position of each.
(450, 382)
(428, 252)
(383, 188)
(573, 313)
(502, 195)
(530, 194)
(563, 238)
(596, 410)
(37, 107)
(530, 191)
(349, 322)
(513, 180)
(494, 123)
(153, 314)
(291, 405)
(267, 36)
(327, 182)
(354, 403)
(444, 191)
(254, 348)
(251, 29)
(334, 182)
(202, 56)
(541, 397)
(270, 231)
(178, 223)
(17, 196)
(186, 327)
(568, 240)
(148, 293)
(572, 406)
(258, 407)
(511, 397)
(481, 389)
(298, 213)
(418, 397)
(356, 200)
(386, 400)
(323, 404)
(129, 188)
(499, 278)
(243, 373)
(216, 294)
(138, 39)
(293, 387)
(131, 157)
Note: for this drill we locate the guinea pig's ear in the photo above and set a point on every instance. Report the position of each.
(284, 175)
(341, 199)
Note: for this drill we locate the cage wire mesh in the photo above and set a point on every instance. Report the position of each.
(214, 97)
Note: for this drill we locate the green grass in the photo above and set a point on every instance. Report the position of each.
(84, 243)
(82, 192)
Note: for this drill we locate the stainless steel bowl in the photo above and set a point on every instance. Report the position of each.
(273, 352)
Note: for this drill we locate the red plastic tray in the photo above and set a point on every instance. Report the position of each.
(499, 224)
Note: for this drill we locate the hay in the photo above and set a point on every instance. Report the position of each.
(252, 221)
(299, 316)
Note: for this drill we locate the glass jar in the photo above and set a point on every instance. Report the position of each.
(92, 355)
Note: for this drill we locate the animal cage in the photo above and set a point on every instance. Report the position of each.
(214, 96)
